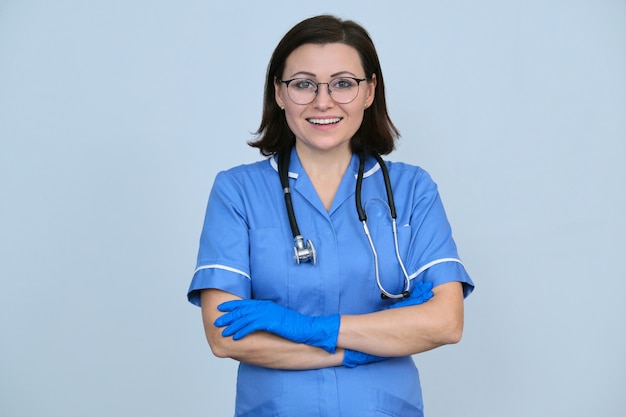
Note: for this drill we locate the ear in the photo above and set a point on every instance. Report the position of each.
(278, 88)
(371, 91)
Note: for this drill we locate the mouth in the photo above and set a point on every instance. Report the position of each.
(329, 121)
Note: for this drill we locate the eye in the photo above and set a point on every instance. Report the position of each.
(304, 84)
(342, 83)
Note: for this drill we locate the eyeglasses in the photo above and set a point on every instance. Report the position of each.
(341, 90)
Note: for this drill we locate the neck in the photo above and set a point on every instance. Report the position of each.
(324, 165)
(325, 170)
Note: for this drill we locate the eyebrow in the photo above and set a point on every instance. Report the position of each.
(310, 74)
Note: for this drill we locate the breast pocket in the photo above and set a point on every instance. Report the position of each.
(277, 276)
(269, 260)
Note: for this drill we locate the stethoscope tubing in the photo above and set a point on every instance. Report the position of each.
(305, 252)
(392, 210)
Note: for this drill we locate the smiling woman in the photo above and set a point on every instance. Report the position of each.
(321, 120)
(115, 117)
(331, 332)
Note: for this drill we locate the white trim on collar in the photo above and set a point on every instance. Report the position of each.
(375, 168)
(371, 171)
(274, 164)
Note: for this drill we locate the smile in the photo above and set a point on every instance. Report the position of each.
(325, 121)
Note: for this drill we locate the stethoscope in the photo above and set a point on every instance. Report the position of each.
(304, 251)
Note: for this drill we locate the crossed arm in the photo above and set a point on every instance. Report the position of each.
(395, 332)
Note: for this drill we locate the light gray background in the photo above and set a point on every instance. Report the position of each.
(116, 115)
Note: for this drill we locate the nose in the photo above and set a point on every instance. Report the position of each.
(323, 97)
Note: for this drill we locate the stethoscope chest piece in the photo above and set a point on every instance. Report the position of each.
(304, 252)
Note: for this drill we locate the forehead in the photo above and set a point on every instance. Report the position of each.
(323, 60)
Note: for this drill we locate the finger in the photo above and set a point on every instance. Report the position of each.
(229, 318)
(422, 298)
(423, 286)
(232, 305)
(240, 329)
(245, 332)
(222, 321)
(233, 327)
(237, 320)
(426, 296)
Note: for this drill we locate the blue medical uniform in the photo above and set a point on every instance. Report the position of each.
(246, 248)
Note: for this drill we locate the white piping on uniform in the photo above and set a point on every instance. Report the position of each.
(274, 165)
(435, 262)
(224, 267)
(370, 171)
(294, 175)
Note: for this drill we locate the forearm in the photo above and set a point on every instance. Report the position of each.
(260, 348)
(403, 329)
(407, 330)
(271, 351)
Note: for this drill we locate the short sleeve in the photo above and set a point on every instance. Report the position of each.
(223, 254)
(433, 254)
(444, 272)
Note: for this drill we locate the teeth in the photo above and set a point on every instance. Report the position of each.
(325, 121)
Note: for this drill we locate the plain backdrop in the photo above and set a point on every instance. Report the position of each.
(116, 115)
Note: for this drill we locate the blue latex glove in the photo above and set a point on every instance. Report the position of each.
(354, 358)
(421, 293)
(248, 316)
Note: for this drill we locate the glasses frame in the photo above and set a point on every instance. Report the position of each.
(317, 88)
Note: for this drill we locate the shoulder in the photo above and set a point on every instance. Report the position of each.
(244, 179)
(404, 167)
(411, 182)
(246, 169)
(246, 172)
(407, 172)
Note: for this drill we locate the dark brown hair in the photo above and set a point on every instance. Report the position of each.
(376, 133)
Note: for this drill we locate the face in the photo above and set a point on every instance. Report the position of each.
(324, 125)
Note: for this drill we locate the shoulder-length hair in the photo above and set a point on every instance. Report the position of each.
(376, 133)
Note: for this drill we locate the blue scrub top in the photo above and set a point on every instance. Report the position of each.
(246, 248)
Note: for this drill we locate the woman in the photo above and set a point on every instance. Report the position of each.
(312, 334)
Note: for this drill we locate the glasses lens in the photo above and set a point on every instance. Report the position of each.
(344, 90)
(302, 91)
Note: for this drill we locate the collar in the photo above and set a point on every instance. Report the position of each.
(346, 190)
(295, 166)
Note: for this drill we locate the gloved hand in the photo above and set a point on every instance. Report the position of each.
(247, 316)
(354, 358)
(422, 292)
